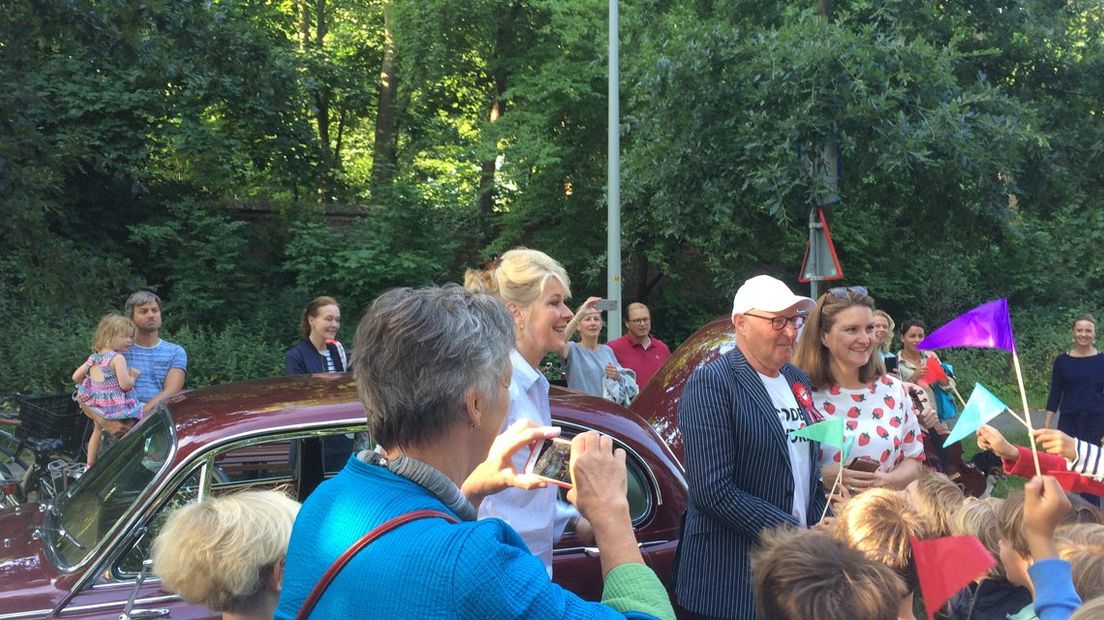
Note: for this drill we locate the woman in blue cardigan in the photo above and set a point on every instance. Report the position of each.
(319, 349)
(436, 390)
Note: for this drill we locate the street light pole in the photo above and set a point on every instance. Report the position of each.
(613, 180)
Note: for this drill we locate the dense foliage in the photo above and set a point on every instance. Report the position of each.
(240, 157)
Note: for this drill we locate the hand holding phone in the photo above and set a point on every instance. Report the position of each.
(863, 464)
(551, 462)
(606, 305)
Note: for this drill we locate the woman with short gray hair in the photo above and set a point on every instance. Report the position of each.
(435, 392)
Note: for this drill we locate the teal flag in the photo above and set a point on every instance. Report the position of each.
(827, 432)
(981, 408)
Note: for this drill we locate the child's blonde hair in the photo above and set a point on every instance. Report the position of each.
(215, 553)
(979, 518)
(878, 524)
(798, 573)
(936, 501)
(112, 325)
(1082, 545)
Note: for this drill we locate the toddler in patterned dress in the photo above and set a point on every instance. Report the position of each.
(104, 381)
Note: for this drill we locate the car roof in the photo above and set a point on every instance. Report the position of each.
(658, 401)
(220, 413)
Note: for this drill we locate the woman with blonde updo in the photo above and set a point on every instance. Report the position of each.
(227, 553)
(534, 288)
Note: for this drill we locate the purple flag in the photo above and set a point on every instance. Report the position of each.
(986, 326)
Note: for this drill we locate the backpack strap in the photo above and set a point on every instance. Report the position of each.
(356, 547)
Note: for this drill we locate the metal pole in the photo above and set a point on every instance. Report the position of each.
(814, 224)
(613, 190)
(824, 9)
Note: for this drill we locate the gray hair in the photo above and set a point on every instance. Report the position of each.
(420, 352)
(140, 298)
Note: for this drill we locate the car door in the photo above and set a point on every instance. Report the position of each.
(254, 463)
(577, 564)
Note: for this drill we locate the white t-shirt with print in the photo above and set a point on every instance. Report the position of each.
(880, 419)
(792, 418)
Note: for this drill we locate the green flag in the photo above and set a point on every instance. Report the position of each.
(828, 432)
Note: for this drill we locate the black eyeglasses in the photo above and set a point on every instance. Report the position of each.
(779, 322)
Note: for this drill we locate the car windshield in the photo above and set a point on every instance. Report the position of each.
(89, 511)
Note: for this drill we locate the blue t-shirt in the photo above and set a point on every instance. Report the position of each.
(155, 363)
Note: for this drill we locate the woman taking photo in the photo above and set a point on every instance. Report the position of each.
(592, 367)
(436, 390)
(912, 363)
(318, 350)
(837, 351)
(1077, 386)
(534, 289)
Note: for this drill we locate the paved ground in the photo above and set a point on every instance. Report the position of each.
(1006, 423)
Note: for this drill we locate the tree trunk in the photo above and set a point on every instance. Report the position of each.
(487, 168)
(322, 111)
(499, 78)
(304, 25)
(384, 147)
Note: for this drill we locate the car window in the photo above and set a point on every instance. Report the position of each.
(253, 464)
(640, 489)
(131, 563)
(94, 505)
(640, 499)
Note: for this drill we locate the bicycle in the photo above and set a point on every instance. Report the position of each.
(40, 455)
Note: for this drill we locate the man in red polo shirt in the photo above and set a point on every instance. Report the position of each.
(637, 349)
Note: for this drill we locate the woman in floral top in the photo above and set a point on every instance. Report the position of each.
(837, 350)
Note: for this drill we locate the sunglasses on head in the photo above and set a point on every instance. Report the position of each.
(844, 291)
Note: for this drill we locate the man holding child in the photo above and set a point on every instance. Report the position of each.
(162, 364)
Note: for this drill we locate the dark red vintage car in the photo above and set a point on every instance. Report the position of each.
(658, 401)
(83, 556)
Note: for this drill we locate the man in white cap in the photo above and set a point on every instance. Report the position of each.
(744, 472)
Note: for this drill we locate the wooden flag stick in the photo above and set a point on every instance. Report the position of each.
(961, 401)
(835, 485)
(1027, 412)
(1016, 417)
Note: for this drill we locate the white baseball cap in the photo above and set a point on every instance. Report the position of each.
(769, 295)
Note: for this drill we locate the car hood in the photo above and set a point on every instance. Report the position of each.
(658, 400)
(27, 578)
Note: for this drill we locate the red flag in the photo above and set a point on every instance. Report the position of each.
(1068, 479)
(946, 565)
(933, 372)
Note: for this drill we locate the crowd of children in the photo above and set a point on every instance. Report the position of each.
(1048, 547)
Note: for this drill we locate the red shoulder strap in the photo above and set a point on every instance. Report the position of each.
(361, 543)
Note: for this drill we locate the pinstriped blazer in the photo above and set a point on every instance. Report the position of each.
(738, 470)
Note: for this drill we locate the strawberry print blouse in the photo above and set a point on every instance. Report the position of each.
(880, 419)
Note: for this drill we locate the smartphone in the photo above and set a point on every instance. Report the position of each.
(551, 462)
(863, 464)
(890, 364)
(606, 305)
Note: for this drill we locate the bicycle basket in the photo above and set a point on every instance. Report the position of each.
(49, 417)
